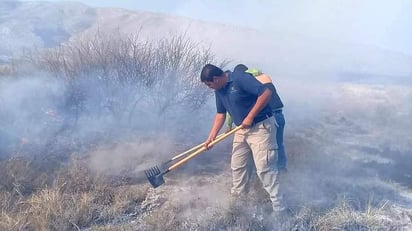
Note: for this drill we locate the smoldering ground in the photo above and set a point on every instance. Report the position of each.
(345, 142)
(348, 151)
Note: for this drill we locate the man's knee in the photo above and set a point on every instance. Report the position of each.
(268, 162)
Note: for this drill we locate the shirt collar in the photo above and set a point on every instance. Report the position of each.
(229, 81)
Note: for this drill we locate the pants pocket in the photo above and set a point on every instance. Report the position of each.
(267, 126)
(272, 158)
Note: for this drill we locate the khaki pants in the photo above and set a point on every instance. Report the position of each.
(256, 144)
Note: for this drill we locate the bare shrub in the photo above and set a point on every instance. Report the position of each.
(114, 86)
(160, 73)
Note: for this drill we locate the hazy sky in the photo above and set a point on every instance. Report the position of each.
(383, 23)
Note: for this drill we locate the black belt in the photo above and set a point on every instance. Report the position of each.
(261, 118)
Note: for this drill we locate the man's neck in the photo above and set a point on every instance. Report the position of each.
(225, 77)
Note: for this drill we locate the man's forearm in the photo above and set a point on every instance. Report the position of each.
(261, 102)
(217, 124)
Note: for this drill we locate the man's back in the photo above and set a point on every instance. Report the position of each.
(275, 102)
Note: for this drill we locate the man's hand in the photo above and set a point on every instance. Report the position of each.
(247, 122)
(208, 141)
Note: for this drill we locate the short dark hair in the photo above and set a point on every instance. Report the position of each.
(209, 71)
(240, 67)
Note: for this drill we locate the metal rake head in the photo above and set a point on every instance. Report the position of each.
(153, 171)
(155, 176)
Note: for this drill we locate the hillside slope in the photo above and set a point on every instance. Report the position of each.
(42, 24)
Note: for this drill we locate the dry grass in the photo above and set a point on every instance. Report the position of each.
(17, 175)
(118, 227)
(344, 217)
(78, 199)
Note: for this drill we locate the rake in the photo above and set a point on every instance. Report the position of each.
(155, 175)
(188, 151)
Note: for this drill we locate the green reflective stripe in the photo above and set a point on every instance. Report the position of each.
(228, 121)
(253, 71)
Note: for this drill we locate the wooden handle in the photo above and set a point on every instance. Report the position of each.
(217, 140)
(192, 149)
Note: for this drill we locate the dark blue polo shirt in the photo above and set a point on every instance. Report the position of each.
(275, 103)
(239, 96)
